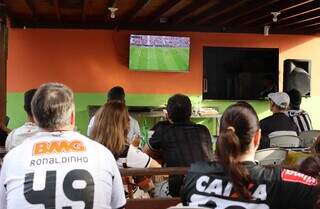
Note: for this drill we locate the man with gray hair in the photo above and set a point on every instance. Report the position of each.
(60, 168)
(278, 121)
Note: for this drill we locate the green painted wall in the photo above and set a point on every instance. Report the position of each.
(16, 113)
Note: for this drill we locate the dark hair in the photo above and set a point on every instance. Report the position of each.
(295, 99)
(179, 108)
(311, 166)
(52, 106)
(28, 95)
(239, 123)
(116, 94)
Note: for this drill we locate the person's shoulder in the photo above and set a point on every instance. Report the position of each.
(132, 119)
(161, 125)
(199, 126)
(267, 119)
(267, 174)
(206, 167)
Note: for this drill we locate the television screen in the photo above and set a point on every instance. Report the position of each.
(159, 53)
(240, 73)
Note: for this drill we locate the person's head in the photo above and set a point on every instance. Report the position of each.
(279, 101)
(116, 94)
(28, 95)
(111, 126)
(179, 108)
(311, 166)
(53, 107)
(238, 140)
(295, 99)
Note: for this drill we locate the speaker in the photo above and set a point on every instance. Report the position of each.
(297, 75)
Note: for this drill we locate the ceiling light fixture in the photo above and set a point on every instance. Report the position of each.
(275, 16)
(113, 12)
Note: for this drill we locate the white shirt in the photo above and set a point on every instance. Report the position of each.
(18, 135)
(134, 129)
(133, 158)
(60, 170)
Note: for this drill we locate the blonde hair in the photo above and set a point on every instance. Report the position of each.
(111, 126)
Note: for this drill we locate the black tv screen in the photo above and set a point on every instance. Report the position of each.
(240, 73)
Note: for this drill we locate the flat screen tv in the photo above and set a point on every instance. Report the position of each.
(240, 73)
(159, 53)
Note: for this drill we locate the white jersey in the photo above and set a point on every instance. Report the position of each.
(60, 170)
(133, 157)
(18, 135)
(134, 129)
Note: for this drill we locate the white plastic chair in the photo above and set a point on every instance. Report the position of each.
(285, 139)
(271, 156)
(308, 137)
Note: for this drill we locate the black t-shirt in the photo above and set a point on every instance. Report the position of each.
(206, 184)
(275, 122)
(181, 144)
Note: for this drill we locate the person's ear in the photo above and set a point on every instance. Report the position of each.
(73, 119)
(257, 138)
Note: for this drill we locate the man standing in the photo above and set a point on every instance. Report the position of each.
(17, 136)
(299, 117)
(179, 142)
(57, 167)
(278, 121)
(117, 94)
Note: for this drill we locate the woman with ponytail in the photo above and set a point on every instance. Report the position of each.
(235, 180)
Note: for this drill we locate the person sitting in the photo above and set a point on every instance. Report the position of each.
(179, 142)
(28, 129)
(58, 167)
(278, 121)
(110, 129)
(117, 94)
(234, 180)
(298, 116)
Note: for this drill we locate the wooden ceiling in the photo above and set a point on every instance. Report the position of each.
(248, 16)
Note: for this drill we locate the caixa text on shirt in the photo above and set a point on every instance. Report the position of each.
(205, 184)
(216, 193)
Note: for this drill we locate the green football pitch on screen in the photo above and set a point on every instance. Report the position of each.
(159, 59)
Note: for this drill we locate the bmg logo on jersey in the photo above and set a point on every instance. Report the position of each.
(58, 146)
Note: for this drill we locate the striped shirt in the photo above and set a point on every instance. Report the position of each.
(301, 119)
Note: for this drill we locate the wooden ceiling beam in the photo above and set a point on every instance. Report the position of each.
(297, 11)
(220, 5)
(134, 11)
(297, 19)
(210, 17)
(194, 5)
(248, 9)
(308, 26)
(163, 9)
(32, 9)
(264, 15)
(304, 21)
(57, 8)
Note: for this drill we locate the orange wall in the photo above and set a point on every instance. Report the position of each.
(95, 60)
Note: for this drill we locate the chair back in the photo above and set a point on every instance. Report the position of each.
(271, 156)
(308, 137)
(285, 139)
